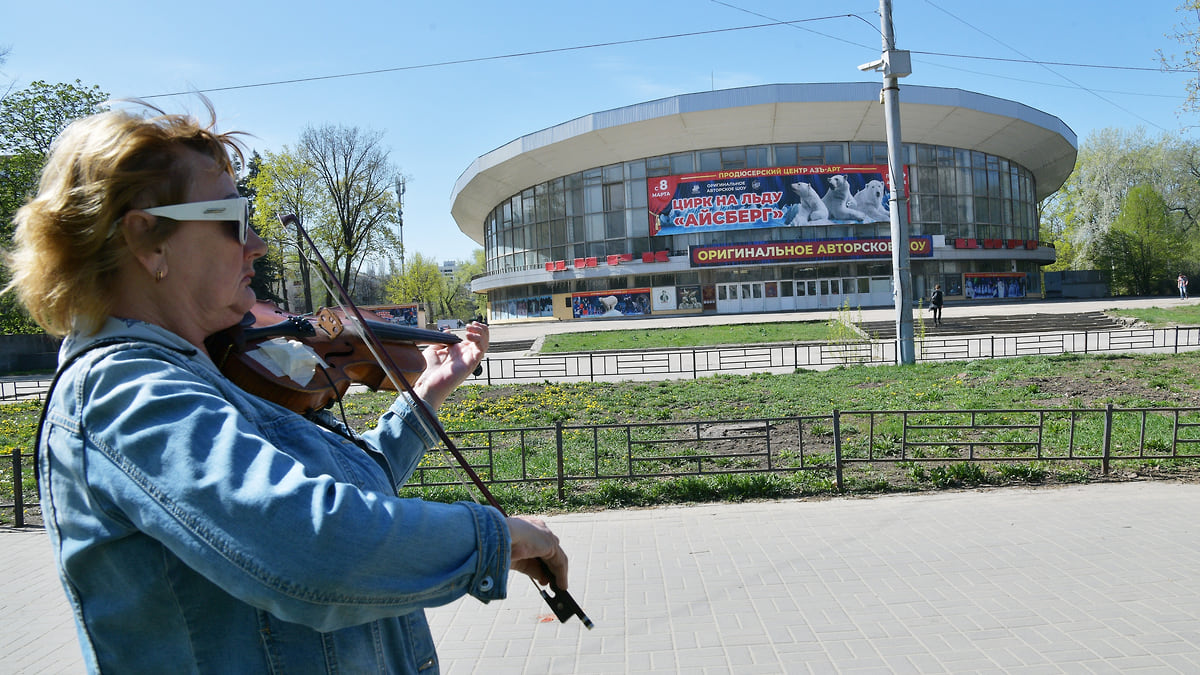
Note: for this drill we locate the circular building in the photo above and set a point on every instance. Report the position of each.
(766, 198)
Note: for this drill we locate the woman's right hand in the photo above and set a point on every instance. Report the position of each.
(531, 540)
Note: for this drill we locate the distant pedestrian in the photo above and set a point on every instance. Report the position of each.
(935, 304)
(1182, 282)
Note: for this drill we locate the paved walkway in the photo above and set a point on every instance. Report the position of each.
(1087, 579)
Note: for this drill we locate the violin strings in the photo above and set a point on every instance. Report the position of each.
(562, 603)
(459, 475)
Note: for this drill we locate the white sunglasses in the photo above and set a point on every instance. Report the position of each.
(235, 210)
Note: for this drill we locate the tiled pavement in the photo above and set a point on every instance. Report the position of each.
(1099, 578)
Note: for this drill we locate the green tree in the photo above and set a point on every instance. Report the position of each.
(421, 281)
(463, 303)
(268, 271)
(1058, 226)
(357, 175)
(1110, 163)
(30, 120)
(1143, 249)
(286, 184)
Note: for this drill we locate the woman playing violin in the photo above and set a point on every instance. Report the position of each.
(198, 528)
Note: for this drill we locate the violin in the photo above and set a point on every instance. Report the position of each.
(260, 354)
(390, 360)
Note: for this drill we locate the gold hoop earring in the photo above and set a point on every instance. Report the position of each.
(159, 274)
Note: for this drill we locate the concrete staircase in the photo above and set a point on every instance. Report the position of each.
(997, 325)
(503, 346)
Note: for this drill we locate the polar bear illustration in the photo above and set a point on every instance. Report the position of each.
(869, 201)
(810, 207)
(610, 304)
(839, 202)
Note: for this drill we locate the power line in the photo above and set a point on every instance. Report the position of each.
(805, 28)
(1053, 63)
(499, 57)
(1027, 60)
(597, 45)
(1043, 65)
(1062, 86)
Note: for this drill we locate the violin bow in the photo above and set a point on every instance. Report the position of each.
(560, 601)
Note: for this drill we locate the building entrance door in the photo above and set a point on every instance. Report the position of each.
(830, 292)
(806, 295)
(745, 296)
(752, 296)
(728, 299)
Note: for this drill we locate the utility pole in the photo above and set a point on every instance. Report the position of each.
(400, 187)
(895, 64)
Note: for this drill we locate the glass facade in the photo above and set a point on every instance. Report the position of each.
(602, 211)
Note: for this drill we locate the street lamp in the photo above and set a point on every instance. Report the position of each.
(895, 64)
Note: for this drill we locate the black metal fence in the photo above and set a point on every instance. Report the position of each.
(21, 461)
(696, 362)
(832, 443)
(818, 442)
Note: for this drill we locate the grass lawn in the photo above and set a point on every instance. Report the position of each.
(1182, 315)
(1041, 382)
(693, 336)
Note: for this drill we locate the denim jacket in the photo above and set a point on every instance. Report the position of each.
(200, 529)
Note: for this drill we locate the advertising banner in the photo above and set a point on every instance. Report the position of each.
(524, 308)
(994, 285)
(401, 315)
(815, 249)
(793, 196)
(610, 303)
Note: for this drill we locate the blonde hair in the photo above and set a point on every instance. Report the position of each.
(65, 261)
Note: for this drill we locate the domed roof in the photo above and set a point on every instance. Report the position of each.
(766, 114)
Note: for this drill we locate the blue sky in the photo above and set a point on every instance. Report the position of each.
(437, 120)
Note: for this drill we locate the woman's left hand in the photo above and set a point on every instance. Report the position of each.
(447, 366)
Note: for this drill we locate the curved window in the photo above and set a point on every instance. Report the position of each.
(954, 192)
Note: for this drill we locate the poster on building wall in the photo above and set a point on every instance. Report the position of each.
(400, 315)
(663, 299)
(598, 304)
(985, 285)
(794, 196)
(689, 298)
(524, 308)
